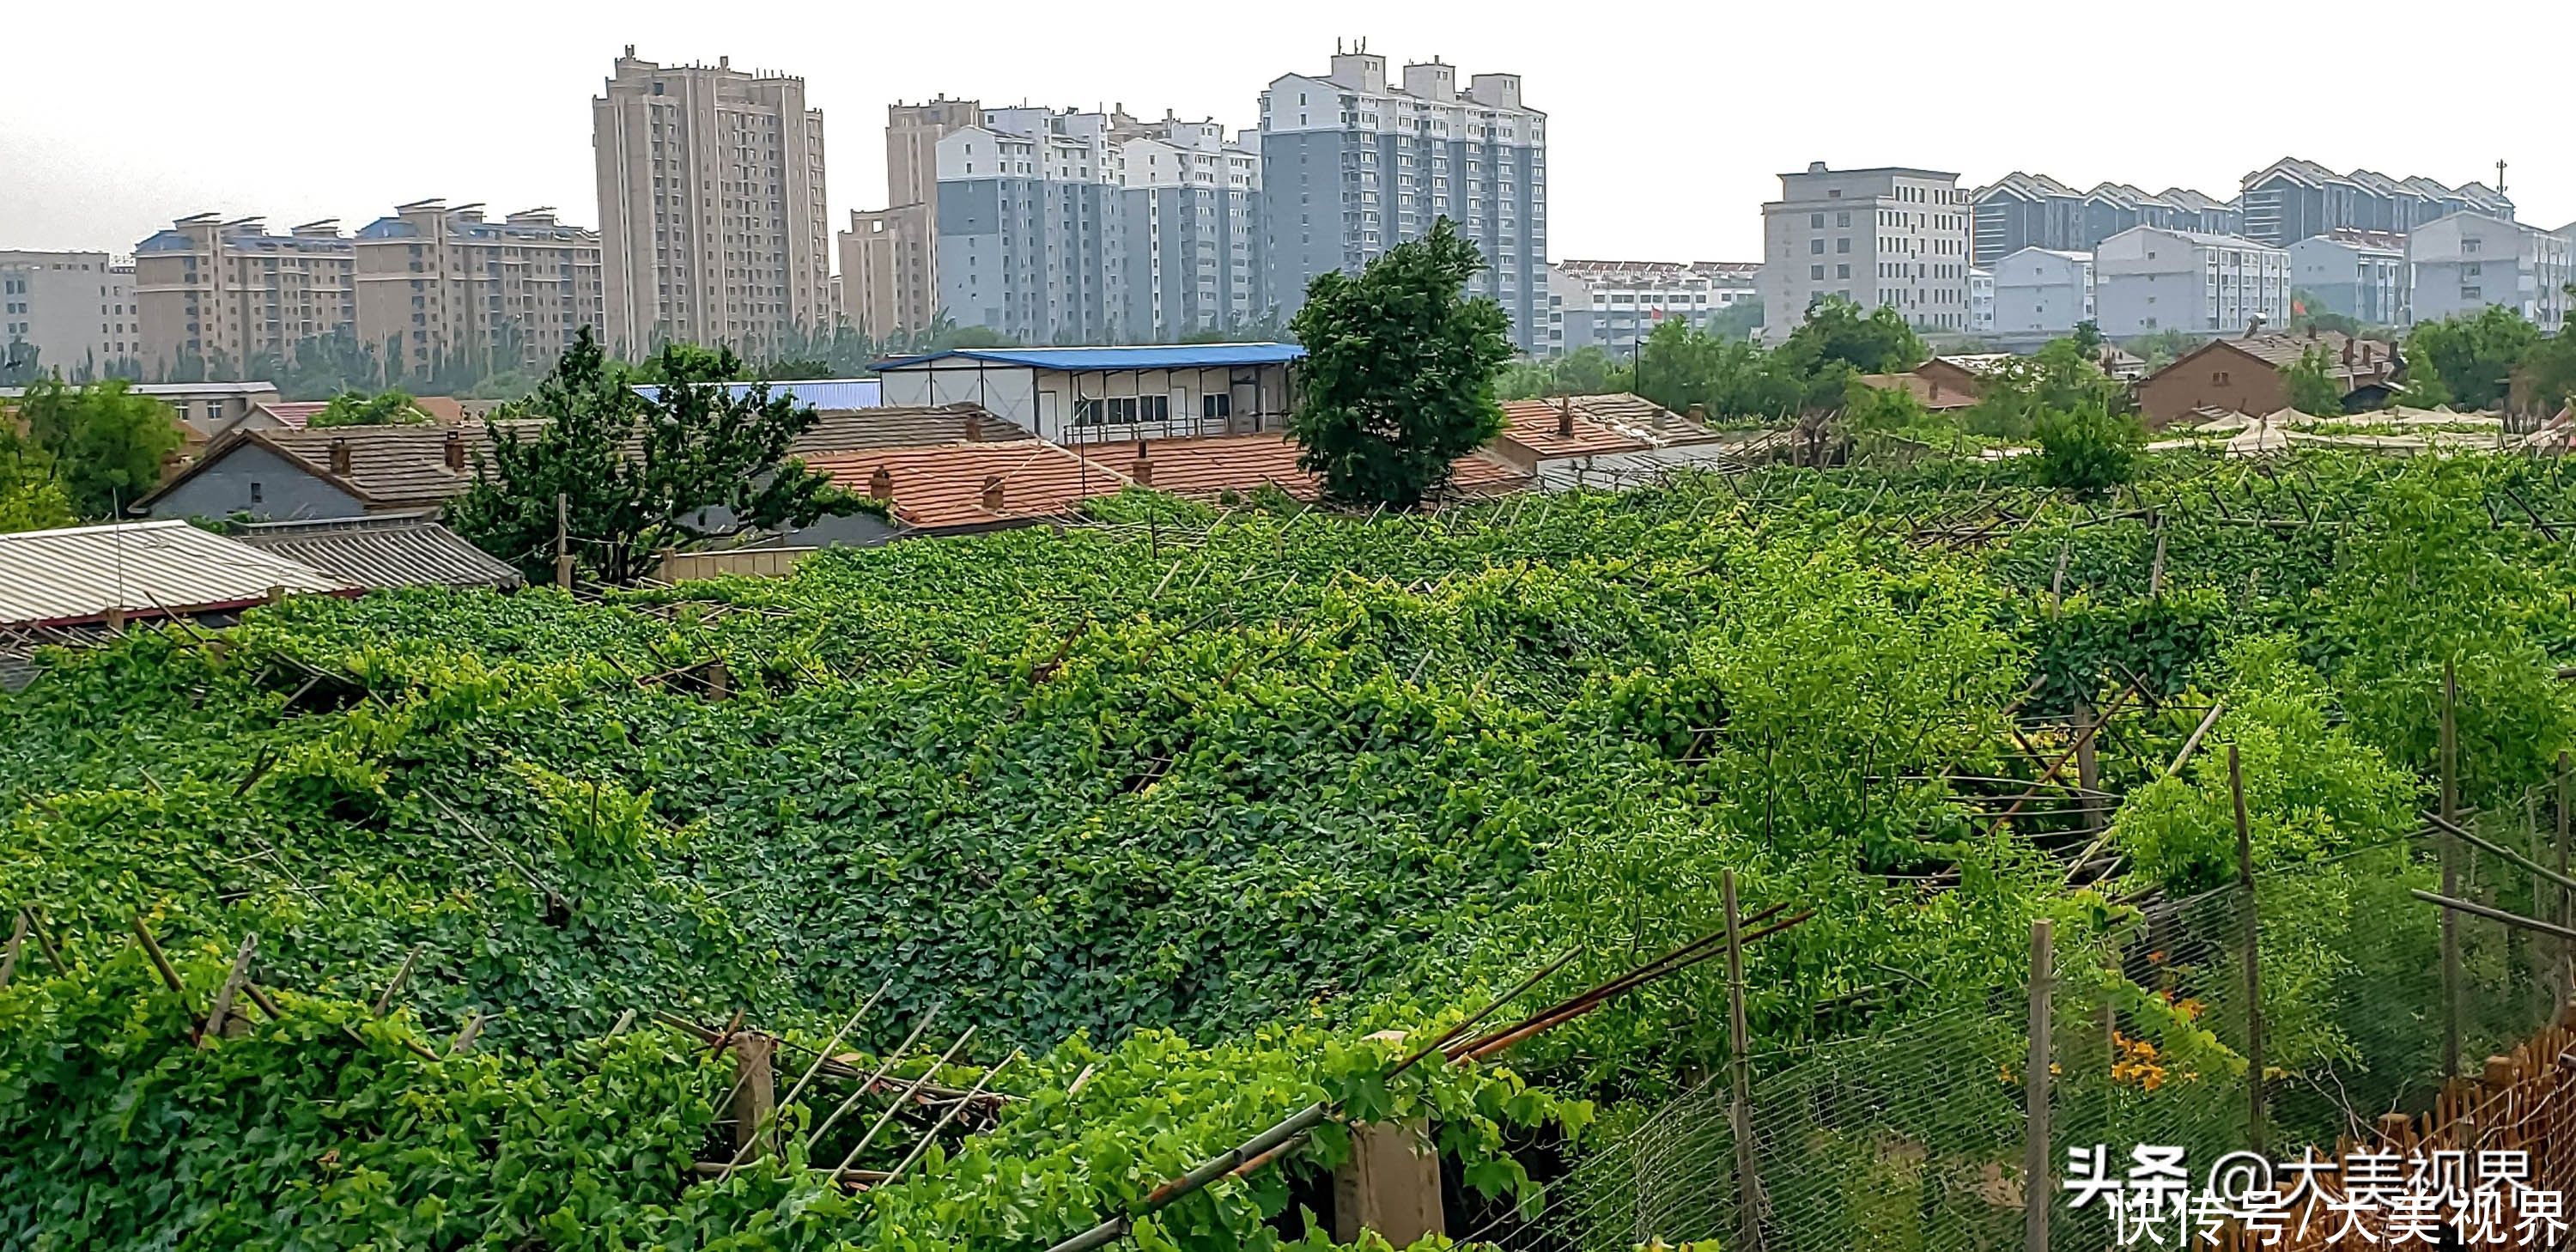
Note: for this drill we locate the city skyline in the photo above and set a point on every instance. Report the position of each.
(1660, 148)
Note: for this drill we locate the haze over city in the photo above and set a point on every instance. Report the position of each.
(1669, 122)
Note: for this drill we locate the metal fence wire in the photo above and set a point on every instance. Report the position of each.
(1914, 1136)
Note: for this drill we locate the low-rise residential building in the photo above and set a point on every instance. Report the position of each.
(1981, 301)
(2150, 279)
(2245, 374)
(2043, 291)
(1613, 304)
(1882, 238)
(72, 313)
(224, 293)
(2467, 261)
(2361, 274)
(1091, 396)
(438, 283)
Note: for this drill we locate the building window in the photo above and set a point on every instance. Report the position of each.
(1216, 404)
(1816, 272)
(1815, 247)
(2218, 378)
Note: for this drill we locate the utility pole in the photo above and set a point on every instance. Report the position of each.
(563, 540)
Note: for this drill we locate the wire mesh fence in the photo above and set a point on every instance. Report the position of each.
(1914, 1135)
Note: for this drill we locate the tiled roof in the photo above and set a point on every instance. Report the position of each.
(1928, 391)
(1207, 467)
(942, 488)
(395, 465)
(1478, 476)
(860, 430)
(84, 573)
(383, 552)
(294, 414)
(1535, 425)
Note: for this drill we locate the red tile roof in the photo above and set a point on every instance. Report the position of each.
(1206, 467)
(942, 488)
(1533, 424)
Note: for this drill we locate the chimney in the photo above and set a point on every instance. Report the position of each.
(2366, 352)
(1565, 417)
(340, 456)
(992, 493)
(974, 425)
(881, 485)
(2347, 356)
(1143, 469)
(455, 450)
(1697, 413)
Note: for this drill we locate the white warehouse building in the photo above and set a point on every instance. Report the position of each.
(1107, 395)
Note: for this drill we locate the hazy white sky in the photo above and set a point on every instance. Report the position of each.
(1669, 121)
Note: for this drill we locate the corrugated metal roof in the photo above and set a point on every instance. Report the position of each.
(383, 552)
(1129, 357)
(829, 395)
(84, 573)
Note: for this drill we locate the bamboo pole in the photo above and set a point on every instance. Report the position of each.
(2566, 898)
(2450, 874)
(2454, 906)
(1739, 1109)
(2035, 1094)
(2254, 1093)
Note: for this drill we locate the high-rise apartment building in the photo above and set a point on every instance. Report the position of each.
(1352, 165)
(1192, 250)
(2291, 199)
(1890, 237)
(889, 258)
(2036, 211)
(711, 214)
(222, 293)
(68, 312)
(438, 283)
(1096, 227)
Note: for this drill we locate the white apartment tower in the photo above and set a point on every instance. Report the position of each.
(1890, 237)
(711, 219)
(1352, 165)
(71, 313)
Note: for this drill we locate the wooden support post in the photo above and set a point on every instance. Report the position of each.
(1390, 1184)
(2566, 899)
(2254, 1060)
(1739, 1108)
(2088, 768)
(2035, 1189)
(2450, 874)
(2156, 571)
(563, 540)
(755, 1098)
(220, 1020)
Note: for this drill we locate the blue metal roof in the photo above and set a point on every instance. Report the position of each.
(830, 395)
(1131, 357)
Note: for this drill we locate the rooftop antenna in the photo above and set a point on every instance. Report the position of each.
(2499, 176)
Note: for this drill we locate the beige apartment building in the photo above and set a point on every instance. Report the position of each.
(1881, 238)
(224, 292)
(436, 282)
(72, 311)
(889, 256)
(712, 225)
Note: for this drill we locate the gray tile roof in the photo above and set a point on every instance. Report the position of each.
(383, 552)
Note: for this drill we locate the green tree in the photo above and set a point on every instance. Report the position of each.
(2062, 375)
(638, 475)
(2088, 339)
(18, 363)
(2087, 449)
(2311, 384)
(30, 497)
(356, 408)
(1876, 342)
(2473, 354)
(106, 443)
(1400, 372)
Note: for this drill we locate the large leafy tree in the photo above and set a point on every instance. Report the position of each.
(357, 408)
(1400, 373)
(2061, 376)
(1876, 342)
(637, 475)
(107, 444)
(2473, 355)
(2087, 449)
